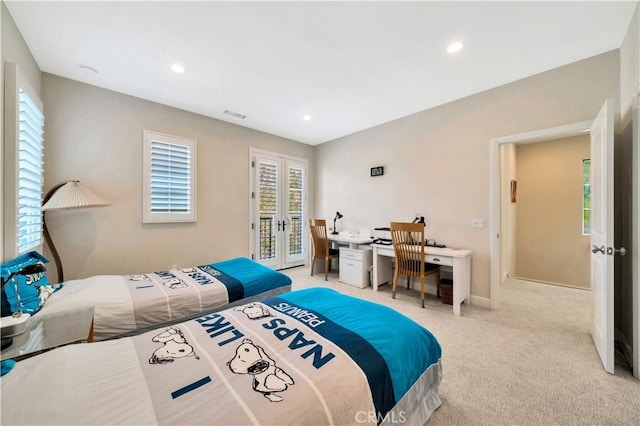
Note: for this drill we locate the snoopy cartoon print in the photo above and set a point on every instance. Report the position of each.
(174, 346)
(268, 378)
(175, 283)
(254, 311)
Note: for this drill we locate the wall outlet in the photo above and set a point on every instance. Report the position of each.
(477, 223)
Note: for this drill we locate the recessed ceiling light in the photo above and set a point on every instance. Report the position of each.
(177, 68)
(454, 47)
(306, 117)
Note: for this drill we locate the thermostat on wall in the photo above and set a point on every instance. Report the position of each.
(377, 171)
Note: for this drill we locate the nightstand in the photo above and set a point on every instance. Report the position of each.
(48, 331)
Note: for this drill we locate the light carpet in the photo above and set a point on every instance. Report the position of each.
(530, 362)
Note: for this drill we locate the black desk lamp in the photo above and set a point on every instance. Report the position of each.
(338, 216)
(32, 269)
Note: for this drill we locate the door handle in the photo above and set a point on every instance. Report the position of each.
(596, 249)
(284, 224)
(612, 250)
(278, 226)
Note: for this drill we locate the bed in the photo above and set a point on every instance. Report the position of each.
(132, 303)
(311, 356)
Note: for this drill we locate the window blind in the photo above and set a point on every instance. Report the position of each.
(267, 190)
(170, 178)
(296, 179)
(30, 173)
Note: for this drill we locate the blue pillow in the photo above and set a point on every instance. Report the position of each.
(28, 286)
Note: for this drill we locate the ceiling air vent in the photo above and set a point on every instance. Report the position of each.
(235, 114)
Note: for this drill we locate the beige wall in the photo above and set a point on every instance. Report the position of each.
(95, 136)
(550, 246)
(437, 161)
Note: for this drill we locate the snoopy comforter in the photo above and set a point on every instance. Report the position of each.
(309, 357)
(123, 304)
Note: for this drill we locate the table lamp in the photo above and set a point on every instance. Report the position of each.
(64, 196)
(338, 216)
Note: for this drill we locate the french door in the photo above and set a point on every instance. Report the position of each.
(278, 207)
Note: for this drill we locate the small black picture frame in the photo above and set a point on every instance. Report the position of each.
(377, 171)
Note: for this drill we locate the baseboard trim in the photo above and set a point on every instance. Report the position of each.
(483, 302)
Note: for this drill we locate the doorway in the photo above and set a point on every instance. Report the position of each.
(601, 231)
(499, 193)
(549, 213)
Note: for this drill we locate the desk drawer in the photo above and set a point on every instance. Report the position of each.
(438, 260)
(351, 254)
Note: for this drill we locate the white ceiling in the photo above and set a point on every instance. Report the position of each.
(348, 65)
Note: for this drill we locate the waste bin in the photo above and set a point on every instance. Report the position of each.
(446, 290)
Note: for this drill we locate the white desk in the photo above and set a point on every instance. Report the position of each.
(458, 259)
(353, 240)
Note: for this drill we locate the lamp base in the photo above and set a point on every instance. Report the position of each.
(334, 233)
(12, 326)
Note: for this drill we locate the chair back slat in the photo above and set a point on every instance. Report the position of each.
(318, 229)
(408, 244)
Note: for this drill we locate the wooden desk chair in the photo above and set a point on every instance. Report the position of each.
(321, 248)
(408, 245)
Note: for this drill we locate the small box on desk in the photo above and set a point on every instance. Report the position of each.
(446, 290)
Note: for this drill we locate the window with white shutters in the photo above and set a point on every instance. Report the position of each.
(169, 178)
(22, 165)
(30, 170)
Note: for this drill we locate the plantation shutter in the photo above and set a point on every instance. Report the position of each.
(170, 180)
(296, 179)
(267, 193)
(30, 173)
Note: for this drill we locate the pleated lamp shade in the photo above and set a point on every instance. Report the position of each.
(74, 195)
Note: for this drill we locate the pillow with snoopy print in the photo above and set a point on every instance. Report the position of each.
(32, 290)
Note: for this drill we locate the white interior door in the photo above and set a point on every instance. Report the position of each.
(602, 234)
(278, 210)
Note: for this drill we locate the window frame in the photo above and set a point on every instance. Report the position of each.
(586, 182)
(15, 82)
(148, 215)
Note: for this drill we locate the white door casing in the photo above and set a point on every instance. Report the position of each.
(602, 251)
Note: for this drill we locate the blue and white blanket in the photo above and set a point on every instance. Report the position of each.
(123, 304)
(309, 357)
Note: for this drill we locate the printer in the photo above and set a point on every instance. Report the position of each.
(382, 236)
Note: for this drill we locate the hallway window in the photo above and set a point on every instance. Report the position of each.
(586, 197)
